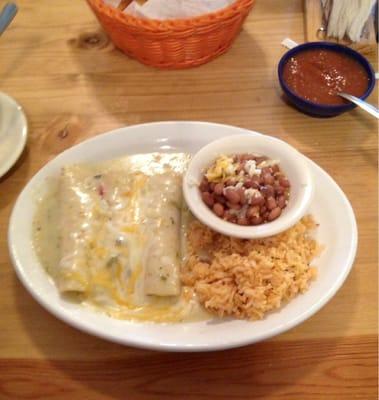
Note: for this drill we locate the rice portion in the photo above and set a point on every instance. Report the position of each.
(248, 278)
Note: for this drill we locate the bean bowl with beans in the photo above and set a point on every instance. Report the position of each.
(245, 189)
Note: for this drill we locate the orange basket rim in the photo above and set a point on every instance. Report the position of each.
(172, 24)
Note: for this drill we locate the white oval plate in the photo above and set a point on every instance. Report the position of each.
(13, 132)
(330, 207)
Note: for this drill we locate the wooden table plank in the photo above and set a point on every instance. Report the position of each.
(73, 84)
(335, 369)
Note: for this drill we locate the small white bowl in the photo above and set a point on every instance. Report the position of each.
(292, 163)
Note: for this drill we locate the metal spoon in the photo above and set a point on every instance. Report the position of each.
(6, 16)
(362, 104)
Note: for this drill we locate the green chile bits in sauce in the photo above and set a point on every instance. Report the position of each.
(318, 75)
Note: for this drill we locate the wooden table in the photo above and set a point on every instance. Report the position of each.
(73, 84)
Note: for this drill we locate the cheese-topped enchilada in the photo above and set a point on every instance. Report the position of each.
(119, 243)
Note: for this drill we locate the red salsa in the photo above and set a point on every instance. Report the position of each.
(318, 75)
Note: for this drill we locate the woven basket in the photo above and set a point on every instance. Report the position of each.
(173, 43)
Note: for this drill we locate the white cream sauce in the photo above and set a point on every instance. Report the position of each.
(113, 218)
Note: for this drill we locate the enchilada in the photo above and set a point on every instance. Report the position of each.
(119, 242)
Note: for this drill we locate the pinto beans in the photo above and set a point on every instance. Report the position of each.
(218, 209)
(232, 196)
(208, 199)
(232, 199)
(219, 189)
(275, 213)
(271, 203)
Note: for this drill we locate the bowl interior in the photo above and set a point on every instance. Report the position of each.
(327, 46)
(291, 162)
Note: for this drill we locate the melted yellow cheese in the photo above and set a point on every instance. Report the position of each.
(133, 279)
(78, 277)
(221, 169)
(110, 237)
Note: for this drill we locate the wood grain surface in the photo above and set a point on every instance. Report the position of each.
(73, 85)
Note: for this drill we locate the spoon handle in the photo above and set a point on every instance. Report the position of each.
(6, 16)
(360, 103)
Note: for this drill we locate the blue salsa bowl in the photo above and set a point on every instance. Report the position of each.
(318, 109)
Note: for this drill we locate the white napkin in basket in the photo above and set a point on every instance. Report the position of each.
(172, 9)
